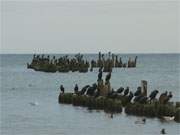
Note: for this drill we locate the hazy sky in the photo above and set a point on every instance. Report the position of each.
(133, 26)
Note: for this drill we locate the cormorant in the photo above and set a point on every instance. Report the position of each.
(130, 96)
(138, 91)
(153, 94)
(120, 90)
(62, 88)
(100, 75)
(83, 90)
(91, 90)
(163, 131)
(137, 98)
(76, 88)
(126, 91)
(108, 77)
(143, 100)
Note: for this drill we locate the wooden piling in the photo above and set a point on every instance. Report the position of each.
(144, 87)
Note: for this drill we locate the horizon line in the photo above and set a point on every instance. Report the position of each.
(93, 53)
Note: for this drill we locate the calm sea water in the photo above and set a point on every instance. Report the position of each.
(22, 87)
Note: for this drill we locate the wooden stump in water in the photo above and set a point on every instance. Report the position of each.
(177, 115)
(144, 87)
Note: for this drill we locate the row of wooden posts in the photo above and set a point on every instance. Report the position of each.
(115, 105)
(78, 63)
(112, 61)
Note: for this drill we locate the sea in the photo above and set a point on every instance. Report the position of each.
(29, 99)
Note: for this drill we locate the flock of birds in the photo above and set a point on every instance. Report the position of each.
(136, 96)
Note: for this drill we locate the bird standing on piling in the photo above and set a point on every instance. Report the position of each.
(76, 88)
(130, 96)
(126, 91)
(153, 94)
(108, 77)
(83, 90)
(120, 90)
(138, 91)
(100, 74)
(62, 88)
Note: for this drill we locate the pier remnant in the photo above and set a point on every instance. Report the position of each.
(144, 87)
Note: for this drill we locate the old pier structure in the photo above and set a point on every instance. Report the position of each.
(134, 103)
(78, 63)
(113, 61)
(62, 64)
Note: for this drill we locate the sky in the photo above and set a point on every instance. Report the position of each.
(72, 26)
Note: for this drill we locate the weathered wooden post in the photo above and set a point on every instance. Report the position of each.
(112, 60)
(120, 62)
(129, 63)
(135, 61)
(144, 87)
(99, 60)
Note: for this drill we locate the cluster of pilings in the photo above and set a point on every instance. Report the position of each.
(102, 96)
(108, 104)
(91, 102)
(62, 64)
(111, 62)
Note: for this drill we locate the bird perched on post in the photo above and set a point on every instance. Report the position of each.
(83, 90)
(62, 88)
(108, 77)
(143, 100)
(153, 94)
(91, 90)
(100, 74)
(137, 98)
(130, 96)
(126, 91)
(76, 88)
(138, 91)
(120, 90)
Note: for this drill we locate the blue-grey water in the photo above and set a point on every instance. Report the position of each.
(29, 99)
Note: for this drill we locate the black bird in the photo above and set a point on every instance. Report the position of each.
(91, 90)
(143, 100)
(83, 90)
(137, 98)
(100, 69)
(163, 131)
(120, 90)
(153, 94)
(126, 91)
(76, 88)
(168, 97)
(138, 91)
(108, 77)
(62, 88)
(100, 75)
(144, 120)
(130, 96)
